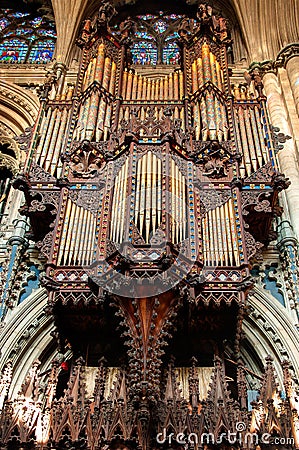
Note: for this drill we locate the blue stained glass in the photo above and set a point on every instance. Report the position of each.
(160, 26)
(47, 33)
(143, 35)
(172, 36)
(36, 22)
(173, 16)
(41, 52)
(26, 39)
(3, 23)
(171, 53)
(147, 17)
(17, 15)
(144, 53)
(23, 31)
(13, 51)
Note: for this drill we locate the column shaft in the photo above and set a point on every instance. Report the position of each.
(286, 157)
(293, 74)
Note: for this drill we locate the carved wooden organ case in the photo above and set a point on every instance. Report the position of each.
(151, 193)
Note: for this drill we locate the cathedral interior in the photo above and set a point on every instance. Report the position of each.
(149, 201)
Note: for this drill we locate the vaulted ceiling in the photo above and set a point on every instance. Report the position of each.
(267, 25)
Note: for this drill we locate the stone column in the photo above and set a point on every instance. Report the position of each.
(292, 67)
(287, 157)
(16, 245)
(288, 246)
(288, 58)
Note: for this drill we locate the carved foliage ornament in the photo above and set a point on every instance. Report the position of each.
(214, 158)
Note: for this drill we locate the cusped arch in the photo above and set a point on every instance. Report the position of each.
(136, 8)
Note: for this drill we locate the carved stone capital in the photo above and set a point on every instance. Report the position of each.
(262, 68)
(288, 52)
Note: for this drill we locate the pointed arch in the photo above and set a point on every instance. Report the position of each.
(27, 337)
(18, 107)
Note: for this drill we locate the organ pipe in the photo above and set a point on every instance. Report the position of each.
(220, 241)
(210, 122)
(78, 236)
(139, 87)
(250, 138)
(147, 208)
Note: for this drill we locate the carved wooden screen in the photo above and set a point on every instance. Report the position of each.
(153, 160)
(150, 191)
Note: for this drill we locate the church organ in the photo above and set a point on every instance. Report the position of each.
(150, 194)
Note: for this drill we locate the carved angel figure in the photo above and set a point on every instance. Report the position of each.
(127, 28)
(185, 27)
(106, 12)
(206, 19)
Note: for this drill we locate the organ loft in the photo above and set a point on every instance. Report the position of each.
(152, 190)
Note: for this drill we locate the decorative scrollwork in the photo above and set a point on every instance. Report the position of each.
(214, 158)
(258, 200)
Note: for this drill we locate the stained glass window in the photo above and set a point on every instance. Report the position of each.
(155, 40)
(41, 52)
(3, 23)
(144, 35)
(144, 52)
(13, 51)
(160, 26)
(171, 53)
(26, 38)
(172, 36)
(147, 17)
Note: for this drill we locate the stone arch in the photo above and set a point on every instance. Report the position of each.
(269, 328)
(134, 8)
(18, 107)
(18, 112)
(26, 337)
(9, 154)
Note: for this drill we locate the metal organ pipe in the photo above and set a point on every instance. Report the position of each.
(249, 135)
(78, 236)
(147, 199)
(100, 63)
(139, 87)
(209, 111)
(220, 239)
(96, 110)
(53, 130)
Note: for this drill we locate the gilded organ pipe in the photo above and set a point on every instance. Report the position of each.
(112, 82)
(124, 83)
(211, 122)
(220, 241)
(52, 121)
(78, 236)
(100, 63)
(176, 85)
(170, 86)
(139, 88)
(147, 198)
(261, 133)
(249, 137)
